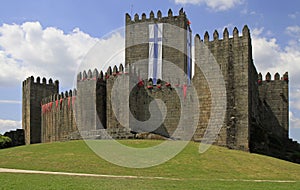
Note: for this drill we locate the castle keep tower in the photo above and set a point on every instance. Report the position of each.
(33, 93)
(158, 39)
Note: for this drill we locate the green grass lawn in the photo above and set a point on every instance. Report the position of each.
(195, 171)
(41, 182)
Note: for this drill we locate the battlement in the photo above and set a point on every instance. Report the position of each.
(59, 96)
(226, 36)
(102, 75)
(30, 80)
(159, 18)
(268, 78)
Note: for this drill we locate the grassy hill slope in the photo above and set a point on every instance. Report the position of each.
(218, 167)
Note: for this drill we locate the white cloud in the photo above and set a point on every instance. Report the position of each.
(105, 53)
(294, 121)
(270, 57)
(217, 5)
(7, 125)
(294, 32)
(29, 49)
(293, 15)
(10, 102)
(267, 53)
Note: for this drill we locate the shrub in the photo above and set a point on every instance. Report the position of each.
(5, 142)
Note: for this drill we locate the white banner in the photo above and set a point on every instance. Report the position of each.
(155, 52)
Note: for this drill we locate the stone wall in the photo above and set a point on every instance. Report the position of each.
(58, 119)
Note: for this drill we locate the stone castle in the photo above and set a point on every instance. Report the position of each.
(256, 114)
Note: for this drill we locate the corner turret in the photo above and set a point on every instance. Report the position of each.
(32, 94)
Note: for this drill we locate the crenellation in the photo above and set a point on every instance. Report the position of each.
(115, 70)
(127, 18)
(101, 76)
(225, 34)
(89, 74)
(144, 17)
(158, 18)
(84, 75)
(95, 74)
(109, 71)
(121, 68)
(197, 37)
(286, 77)
(277, 76)
(206, 37)
(37, 81)
(268, 77)
(136, 17)
(29, 80)
(235, 33)
(170, 13)
(181, 12)
(216, 35)
(159, 15)
(151, 15)
(246, 31)
(79, 76)
(259, 78)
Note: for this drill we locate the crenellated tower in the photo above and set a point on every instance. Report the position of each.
(86, 111)
(234, 57)
(33, 93)
(167, 38)
(274, 96)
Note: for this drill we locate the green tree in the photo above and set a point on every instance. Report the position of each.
(5, 142)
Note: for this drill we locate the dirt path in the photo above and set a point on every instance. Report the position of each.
(6, 170)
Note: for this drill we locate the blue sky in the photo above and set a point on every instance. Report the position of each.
(31, 32)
